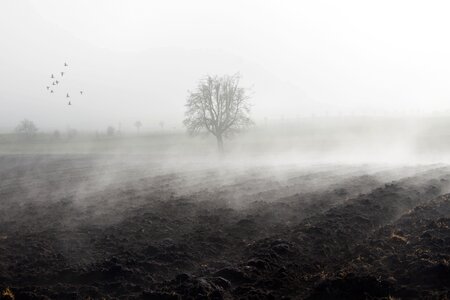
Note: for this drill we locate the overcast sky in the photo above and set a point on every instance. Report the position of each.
(135, 60)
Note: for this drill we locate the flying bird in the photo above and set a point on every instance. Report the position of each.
(53, 83)
(56, 81)
(52, 76)
(81, 92)
(69, 103)
(51, 91)
(67, 96)
(62, 73)
(65, 64)
(48, 88)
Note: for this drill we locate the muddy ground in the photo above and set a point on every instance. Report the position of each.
(87, 227)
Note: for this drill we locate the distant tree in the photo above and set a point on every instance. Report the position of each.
(26, 129)
(219, 106)
(138, 126)
(71, 133)
(110, 131)
(56, 135)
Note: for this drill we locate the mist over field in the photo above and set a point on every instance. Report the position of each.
(224, 150)
(334, 139)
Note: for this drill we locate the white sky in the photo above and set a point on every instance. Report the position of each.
(135, 60)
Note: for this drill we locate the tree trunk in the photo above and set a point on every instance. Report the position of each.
(220, 143)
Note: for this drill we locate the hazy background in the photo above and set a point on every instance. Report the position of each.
(135, 60)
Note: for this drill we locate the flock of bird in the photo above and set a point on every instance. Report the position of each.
(55, 82)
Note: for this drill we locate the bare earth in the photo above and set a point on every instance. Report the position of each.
(84, 226)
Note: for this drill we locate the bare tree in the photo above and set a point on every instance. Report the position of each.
(26, 129)
(110, 131)
(219, 106)
(138, 126)
(56, 135)
(71, 133)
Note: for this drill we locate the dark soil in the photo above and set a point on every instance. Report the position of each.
(85, 228)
